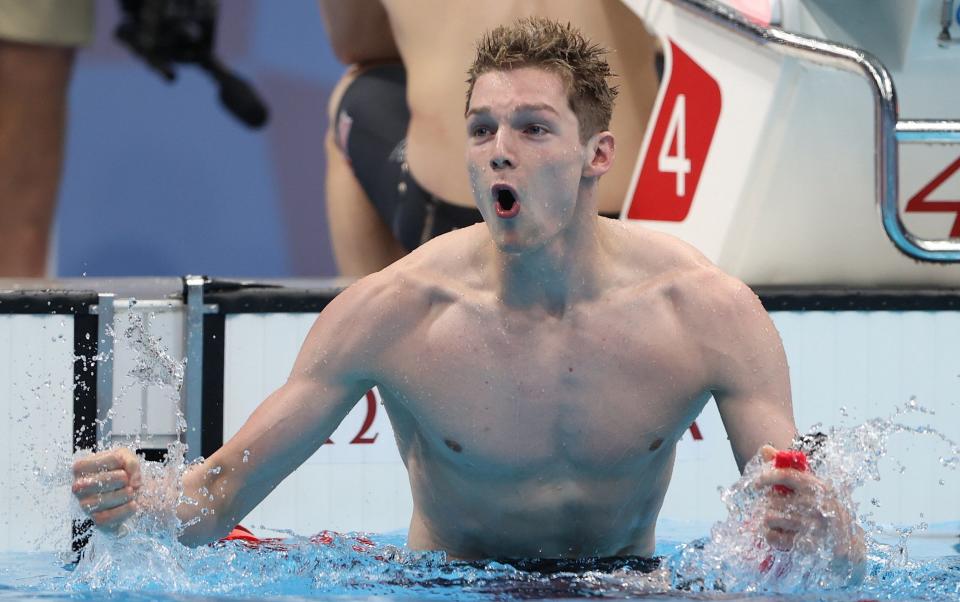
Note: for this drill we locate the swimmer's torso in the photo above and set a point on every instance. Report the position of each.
(436, 40)
(528, 435)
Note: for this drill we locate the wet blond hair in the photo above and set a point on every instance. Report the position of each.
(562, 49)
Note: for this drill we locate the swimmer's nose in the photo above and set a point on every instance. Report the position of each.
(501, 158)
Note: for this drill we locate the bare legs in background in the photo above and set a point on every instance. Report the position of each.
(33, 103)
(362, 242)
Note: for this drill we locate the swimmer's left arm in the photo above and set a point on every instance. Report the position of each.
(747, 367)
(752, 392)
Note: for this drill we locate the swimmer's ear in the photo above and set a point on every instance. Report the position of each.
(601, 148)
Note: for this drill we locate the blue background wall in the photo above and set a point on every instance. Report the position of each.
(160, 180)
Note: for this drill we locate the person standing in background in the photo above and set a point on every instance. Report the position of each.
(395, 172)
(37, 43)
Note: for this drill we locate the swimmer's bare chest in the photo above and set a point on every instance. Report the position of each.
(542, 436)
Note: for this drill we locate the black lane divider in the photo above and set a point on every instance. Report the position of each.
(47, 302)
(787, 298)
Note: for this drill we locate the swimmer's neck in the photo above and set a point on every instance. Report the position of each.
(557, 275)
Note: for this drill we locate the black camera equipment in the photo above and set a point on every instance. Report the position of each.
(166, 32)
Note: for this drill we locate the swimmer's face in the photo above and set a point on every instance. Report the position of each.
(526, 162)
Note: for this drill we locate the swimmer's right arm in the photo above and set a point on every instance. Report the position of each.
(359, 31)
(329, 376)
(285, 430)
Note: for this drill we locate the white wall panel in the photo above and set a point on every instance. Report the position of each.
(847, 368)
(36, 405)
(702, 467)
(343, 486)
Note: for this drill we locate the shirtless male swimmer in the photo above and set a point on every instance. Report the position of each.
(538, 370)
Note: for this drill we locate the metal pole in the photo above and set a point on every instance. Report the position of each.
(193, 377)
(105, 351)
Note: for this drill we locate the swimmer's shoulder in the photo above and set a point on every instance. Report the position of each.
(412, 287)
(680, 271)
(653, 254)
(360, 311)
(450, 264)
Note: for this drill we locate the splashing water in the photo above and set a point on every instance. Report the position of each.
(154, 364)
(161, 491)
(735, 557)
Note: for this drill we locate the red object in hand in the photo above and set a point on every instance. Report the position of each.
(796, 460)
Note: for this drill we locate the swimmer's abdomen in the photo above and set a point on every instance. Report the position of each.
(549, 515)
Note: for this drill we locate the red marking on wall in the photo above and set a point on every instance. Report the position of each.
(920, 204)
(361, 437)
(368, 421)
(675, 154)
(695, 431)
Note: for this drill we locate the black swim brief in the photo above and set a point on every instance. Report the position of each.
(577, 566)
(371, 129)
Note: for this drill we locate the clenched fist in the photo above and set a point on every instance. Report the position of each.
(106, 484)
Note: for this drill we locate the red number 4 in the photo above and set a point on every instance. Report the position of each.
(921, 204)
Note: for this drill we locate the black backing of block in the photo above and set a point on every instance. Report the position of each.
(151, 454)
(211, 437)
(84, 402)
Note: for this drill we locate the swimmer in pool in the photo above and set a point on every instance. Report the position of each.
(538, 369)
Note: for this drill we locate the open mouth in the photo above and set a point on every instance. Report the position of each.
(506, 203)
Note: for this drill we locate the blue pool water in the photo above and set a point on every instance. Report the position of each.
(141, 567)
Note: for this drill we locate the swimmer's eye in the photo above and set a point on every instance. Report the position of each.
(535, 130)
(480, 131)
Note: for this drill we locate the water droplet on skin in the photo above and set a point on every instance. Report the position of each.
(246, 456)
